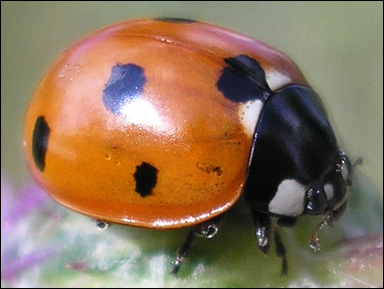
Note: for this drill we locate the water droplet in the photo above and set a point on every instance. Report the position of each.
(102, 225)
(108, 156)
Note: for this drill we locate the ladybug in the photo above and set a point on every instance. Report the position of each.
(164, 123)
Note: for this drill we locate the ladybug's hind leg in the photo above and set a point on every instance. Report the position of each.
(264, 230)
(206, 229)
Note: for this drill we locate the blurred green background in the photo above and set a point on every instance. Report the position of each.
(337, 45)
(339, 48)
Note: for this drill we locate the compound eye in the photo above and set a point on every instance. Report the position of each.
(316, 201)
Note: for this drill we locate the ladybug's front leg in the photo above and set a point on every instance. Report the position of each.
(264, 230)
(207, 230)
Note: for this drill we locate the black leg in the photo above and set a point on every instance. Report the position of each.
(263, 228)
(281, 252)
(207, 229)
(183, 251)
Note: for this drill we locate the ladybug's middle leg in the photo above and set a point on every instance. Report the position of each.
(207, 229)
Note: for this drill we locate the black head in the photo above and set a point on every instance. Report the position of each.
(329, 193)
(297, 167)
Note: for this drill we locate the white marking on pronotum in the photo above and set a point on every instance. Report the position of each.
(249, 114)
(289, 199)
(276, 80)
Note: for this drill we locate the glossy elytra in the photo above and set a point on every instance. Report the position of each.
(165, 123)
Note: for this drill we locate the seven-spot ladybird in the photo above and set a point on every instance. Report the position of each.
(164, 123)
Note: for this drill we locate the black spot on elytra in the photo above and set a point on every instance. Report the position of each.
(146, 179)
(124, 85)
(175, 20)
(40, 139)
(243, 80)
